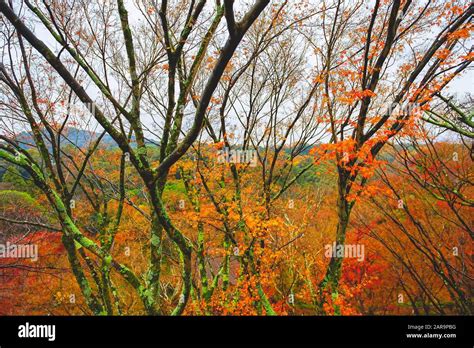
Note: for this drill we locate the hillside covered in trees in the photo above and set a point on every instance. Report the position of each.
(236, 157)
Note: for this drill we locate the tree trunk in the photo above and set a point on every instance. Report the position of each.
(330, 283)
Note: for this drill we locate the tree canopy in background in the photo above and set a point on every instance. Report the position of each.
(261, 157)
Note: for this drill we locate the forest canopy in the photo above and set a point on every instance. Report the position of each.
(221, 157)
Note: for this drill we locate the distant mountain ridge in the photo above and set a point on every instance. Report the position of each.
(79, 137)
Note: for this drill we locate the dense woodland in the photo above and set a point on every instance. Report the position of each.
(213, 157)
